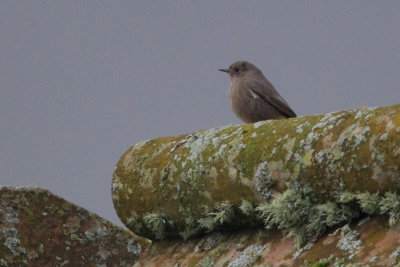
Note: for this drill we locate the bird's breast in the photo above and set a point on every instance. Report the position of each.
(240, 100)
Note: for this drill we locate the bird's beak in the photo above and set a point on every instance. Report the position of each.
(224, 70)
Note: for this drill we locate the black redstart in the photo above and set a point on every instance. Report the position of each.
(252, 97)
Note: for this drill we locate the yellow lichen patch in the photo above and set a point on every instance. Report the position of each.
(307, 157)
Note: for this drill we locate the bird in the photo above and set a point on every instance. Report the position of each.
(252, 97)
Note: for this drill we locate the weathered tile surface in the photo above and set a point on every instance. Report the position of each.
(366, 242)
(38, 228)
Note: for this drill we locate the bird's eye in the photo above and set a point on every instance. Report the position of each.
(236, 69)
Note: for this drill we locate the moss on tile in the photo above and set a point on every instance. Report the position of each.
(187, 178)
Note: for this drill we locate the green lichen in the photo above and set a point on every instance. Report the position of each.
(248, 257)
(369, 203)
(54, 209)
(206, 262)
(28, 213)
(74, 237)
(41, 249)
(346, 197)
(192, 228)
(65, 263)
(390, 204)
(373, 204)
(222, 214)
(135, 224)
(322, 263)
(349, 239)
(157, 223)
(301, 216)
(248, 209)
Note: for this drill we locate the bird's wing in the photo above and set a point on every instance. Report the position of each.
(270, 96)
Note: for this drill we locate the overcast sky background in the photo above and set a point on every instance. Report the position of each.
(82, 81)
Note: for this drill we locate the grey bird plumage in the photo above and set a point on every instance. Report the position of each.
(252, 97)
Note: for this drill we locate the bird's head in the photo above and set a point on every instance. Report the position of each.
(239, 69)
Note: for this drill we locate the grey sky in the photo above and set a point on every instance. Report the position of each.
(82, 81)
